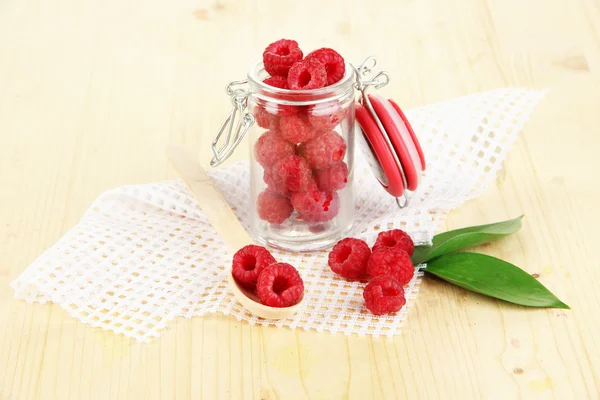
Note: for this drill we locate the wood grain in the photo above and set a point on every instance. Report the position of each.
(91, 93)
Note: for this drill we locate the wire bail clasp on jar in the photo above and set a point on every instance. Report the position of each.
(235, 126)
(363, 83)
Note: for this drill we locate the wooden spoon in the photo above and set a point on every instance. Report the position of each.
(250, 302)
(226, 224)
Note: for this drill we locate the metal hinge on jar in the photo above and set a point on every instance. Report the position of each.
(233, 136)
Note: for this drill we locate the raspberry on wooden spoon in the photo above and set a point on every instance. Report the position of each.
(248, 262)
(280, 285)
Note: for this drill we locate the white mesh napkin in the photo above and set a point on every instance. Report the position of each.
(144, 254)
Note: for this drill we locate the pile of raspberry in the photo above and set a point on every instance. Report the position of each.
(387, 267)
(275, 284)
(301, 153)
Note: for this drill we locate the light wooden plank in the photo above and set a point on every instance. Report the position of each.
(91, 95)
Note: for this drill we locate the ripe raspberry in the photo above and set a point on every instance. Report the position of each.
(307, 74)
(349, 258)
(292, 173)
(333, 62)
(395, 238)
(391, 261)
(248, 262)
(273, 207)
(279, 285)
(384, 295)
(326, 116)
(264, 119)
(274, 184)
(333, 178)
(316, 206)
(324, 150)
(277, 81)
(296, 129)
(271, 147)
(279, 56)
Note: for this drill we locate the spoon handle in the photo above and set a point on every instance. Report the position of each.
(210, 200)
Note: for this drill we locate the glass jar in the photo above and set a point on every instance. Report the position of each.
(301, 163)
(302, 153)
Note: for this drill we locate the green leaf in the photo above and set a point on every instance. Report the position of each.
(464, 238)
(493, 277)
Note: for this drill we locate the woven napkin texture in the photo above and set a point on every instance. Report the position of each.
(145, 254)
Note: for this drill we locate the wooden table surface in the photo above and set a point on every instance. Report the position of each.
(91, 93)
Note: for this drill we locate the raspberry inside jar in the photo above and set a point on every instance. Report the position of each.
(302, 156)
